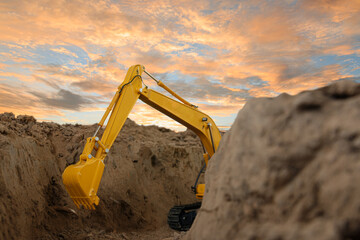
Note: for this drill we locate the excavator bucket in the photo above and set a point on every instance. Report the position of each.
(82, 181)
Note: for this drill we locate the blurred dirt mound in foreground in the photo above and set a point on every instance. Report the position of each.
(289, 168)
(148, 170)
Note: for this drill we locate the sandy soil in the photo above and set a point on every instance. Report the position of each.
(148, 170)
(288, 169)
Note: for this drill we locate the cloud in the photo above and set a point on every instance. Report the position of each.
(214, 53)
(64, 99)
(65, 51)
(48, 82)
(18, 101)
(145, 115)
(250, 82)
(60, 70)
(153, 57)
(202, 89)
(95, 84)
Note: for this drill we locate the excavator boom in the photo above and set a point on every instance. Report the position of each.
(82, 179)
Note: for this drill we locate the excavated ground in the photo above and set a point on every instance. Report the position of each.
(288, 169)
(148, 170)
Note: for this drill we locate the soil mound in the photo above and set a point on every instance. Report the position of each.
(287, 169)
(148, 170)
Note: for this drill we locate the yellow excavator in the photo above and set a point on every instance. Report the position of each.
(82, 179)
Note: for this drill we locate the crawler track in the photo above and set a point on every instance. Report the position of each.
(181, 217)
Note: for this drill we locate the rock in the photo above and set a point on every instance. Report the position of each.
(68, 132)
(3, 130)
(26, 119)
(78, 137)
(287, 169)
(7, 117)
(342, 89)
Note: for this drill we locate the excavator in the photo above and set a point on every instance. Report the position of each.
(82, 179)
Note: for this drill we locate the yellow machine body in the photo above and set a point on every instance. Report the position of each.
(82, 179)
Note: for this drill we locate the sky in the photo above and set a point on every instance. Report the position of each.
(62, 60)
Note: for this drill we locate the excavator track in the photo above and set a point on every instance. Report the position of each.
(181, 217)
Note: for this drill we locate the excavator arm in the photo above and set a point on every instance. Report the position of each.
(82, 179)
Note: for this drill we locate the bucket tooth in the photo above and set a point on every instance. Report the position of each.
(81, 202)
(77, 203)
(88, 204)
(92, 206)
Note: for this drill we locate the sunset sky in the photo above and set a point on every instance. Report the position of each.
(62, 60)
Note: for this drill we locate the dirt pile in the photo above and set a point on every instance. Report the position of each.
(289, 168)
(148, 170)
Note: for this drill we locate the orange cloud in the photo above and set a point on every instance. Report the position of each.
(218, 52)
(19, 102)
(64, 51)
